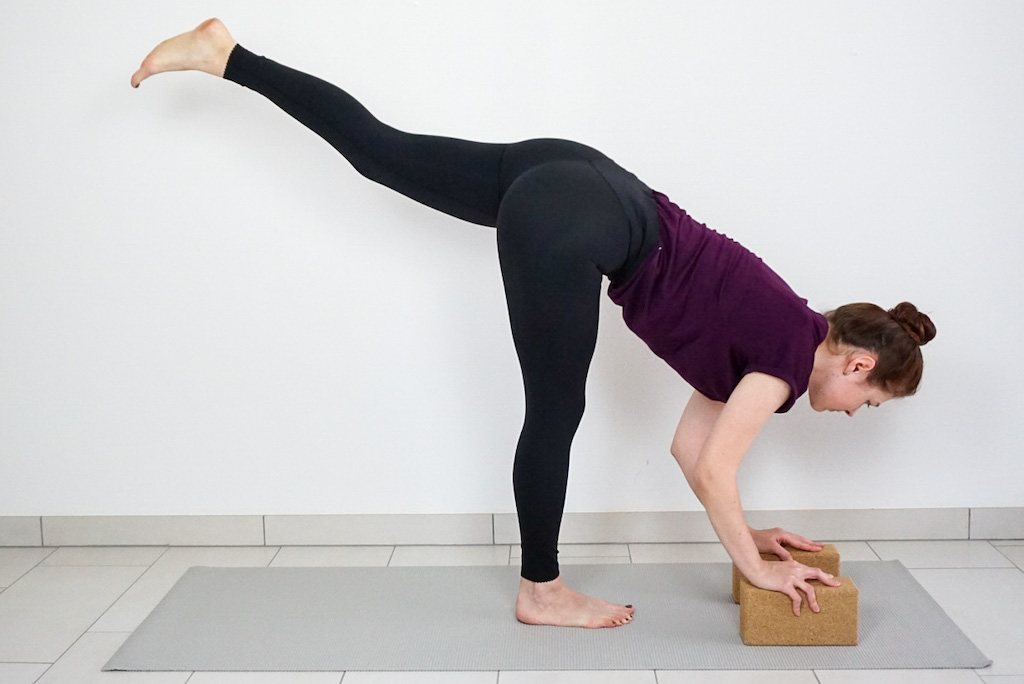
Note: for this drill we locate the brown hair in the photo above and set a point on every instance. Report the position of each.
(896, 336)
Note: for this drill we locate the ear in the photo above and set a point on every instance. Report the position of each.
(860, 362)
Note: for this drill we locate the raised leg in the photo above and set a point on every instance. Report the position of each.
(461, 178)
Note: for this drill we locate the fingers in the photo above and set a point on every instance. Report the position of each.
(794, 580)
(797, 599)
(776, 537)
(827, 579)
(780, 551)
(800, 582)
(798, 542)
(812, 600)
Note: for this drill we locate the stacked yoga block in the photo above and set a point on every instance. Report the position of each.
(766, 617)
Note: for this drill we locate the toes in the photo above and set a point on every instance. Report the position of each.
(620, 620)
(145, 70)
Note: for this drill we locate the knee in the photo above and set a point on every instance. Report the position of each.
(559, 416)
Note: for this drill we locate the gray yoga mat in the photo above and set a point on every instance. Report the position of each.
(461, 618)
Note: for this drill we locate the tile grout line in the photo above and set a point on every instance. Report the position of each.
(22, 575)
(79, 638)
(40, 677)
(42, 538)
(112, 603)
(129, 588)
(999, 550)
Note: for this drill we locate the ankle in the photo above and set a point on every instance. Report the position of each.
(220, 45)
(542, 589)
(224, 57)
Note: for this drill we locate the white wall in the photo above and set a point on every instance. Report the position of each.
(204, 310)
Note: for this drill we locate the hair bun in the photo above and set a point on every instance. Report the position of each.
(918, 325)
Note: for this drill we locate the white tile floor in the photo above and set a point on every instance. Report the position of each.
(63, 612)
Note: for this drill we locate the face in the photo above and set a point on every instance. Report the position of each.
(849, 398)
(846, 390)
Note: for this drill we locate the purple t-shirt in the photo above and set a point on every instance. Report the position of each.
(715, 312)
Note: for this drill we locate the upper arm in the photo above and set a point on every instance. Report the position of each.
(695, 425)
(751, 404)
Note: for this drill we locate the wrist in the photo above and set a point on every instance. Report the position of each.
(757, 571)
(750, 566)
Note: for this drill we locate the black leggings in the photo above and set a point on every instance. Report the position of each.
(565, 215)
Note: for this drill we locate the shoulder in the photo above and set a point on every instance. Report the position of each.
(761, 392)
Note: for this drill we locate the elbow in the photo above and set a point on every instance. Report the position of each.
(710, 484)
(687, 461)
(701, 484)
(709, 479)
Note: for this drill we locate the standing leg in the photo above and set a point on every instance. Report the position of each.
(557, 223)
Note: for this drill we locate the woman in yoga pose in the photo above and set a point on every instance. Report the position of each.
(566, 216)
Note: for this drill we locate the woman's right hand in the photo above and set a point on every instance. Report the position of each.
(790, 578)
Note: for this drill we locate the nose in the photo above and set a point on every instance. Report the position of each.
(850, 413)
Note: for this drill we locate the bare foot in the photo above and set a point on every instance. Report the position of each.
(553, 603)
(204, 48)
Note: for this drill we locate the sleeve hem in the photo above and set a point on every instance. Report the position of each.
(794, 391)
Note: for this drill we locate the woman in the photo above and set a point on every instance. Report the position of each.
(566, 216)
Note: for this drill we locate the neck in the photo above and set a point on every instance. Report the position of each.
(826, 365)
(824, 360)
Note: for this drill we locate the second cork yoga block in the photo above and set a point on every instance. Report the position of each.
(766, 617)
(827, 559)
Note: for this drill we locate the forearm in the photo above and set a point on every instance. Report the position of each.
(710, 444)
(721, 500)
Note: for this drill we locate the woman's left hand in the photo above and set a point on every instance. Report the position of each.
(771, 541)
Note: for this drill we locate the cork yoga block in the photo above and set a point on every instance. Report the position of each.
(827, 559)
(766, 617)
